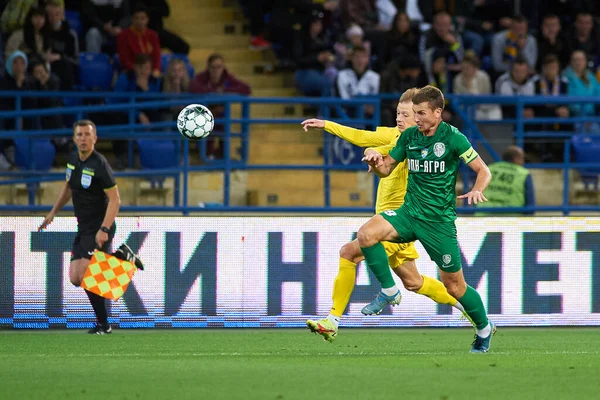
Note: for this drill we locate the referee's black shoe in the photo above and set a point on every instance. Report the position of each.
(125, 253)
(100, 329)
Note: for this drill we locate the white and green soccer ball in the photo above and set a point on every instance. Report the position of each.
(195, 122)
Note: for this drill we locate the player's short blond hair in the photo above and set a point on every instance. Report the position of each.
(407, 96)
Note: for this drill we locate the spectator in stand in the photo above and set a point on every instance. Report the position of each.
(358, 80)
(401, 39)
(400, 75)
(102, 21)
(314, 59)
(478, 20)
(289, 17)
(435, 68)
(585, 36)
(45, 81)
(550, 83)
(64, 47)
(343, 50)
(386, 12)
(474, 81)
(14, 15)
(16, 78)
(139, 80)
(360, 12)
(216, 79)
(582, 82)
(175, 82)
(442, 38)
(157, 10)
(552, 41)
(516, 83)
(33, 39)
(139, 39)
(256, 11)
(512, 43)
(364, 13)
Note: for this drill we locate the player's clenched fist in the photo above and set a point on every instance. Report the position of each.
(373, 158)
(313, 123)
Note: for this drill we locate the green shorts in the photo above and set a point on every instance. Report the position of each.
(438, 238)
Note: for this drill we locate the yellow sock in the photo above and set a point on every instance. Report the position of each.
(436, 291)
(343, 286)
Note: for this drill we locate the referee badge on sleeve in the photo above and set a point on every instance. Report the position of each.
(86, 181)
(69, 171)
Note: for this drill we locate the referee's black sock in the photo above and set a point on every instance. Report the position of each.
(99, 306)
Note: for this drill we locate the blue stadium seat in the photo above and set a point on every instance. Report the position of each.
(43, 153)
(95, 71)
(74, 20)
(158, 153)
(166, 58)
(586, 148)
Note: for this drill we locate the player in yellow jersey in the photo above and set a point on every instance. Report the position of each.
(390, 195)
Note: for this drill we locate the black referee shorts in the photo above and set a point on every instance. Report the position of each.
(85, 244)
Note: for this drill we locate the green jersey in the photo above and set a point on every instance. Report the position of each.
(433, 163)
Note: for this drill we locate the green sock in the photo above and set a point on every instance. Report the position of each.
(474, 308)
(377, 261)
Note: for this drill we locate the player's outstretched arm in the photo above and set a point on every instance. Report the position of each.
(484, 176)
(357, 137)
(312, 123)
(381, 165)
(63, 198)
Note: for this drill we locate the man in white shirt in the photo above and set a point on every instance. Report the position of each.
(516, 83)
(358, 80)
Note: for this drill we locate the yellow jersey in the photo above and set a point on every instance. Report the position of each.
(391, 190)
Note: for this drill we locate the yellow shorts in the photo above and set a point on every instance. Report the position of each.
(398, 253)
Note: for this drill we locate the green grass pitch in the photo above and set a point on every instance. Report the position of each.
(533, 363)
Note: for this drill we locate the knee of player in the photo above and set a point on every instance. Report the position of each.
(366, 237)
(410, 283)
(455, 289)
(348, 252)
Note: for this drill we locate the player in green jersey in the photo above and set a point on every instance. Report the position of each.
(434, 150)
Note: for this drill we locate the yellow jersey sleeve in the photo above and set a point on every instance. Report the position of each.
(362, 138)
(383, 150)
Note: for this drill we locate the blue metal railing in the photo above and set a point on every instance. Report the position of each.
(327, 107)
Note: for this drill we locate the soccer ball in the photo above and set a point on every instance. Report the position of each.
(195, 122)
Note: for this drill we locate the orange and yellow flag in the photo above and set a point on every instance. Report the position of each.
(108, 276)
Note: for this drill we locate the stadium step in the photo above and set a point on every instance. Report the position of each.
(310, 198)
(313, 180)
(231, 28)
(248, 68)
(198, 15)
(268, 81)
(219, 40)
(271, 151)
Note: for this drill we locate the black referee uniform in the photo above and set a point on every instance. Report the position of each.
(88, 180)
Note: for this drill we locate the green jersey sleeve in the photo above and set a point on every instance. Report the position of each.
(398, 153)
(463, 148)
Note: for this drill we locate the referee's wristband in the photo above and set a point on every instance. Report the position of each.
(105, 229)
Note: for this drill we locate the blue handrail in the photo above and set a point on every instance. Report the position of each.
(131, 102)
